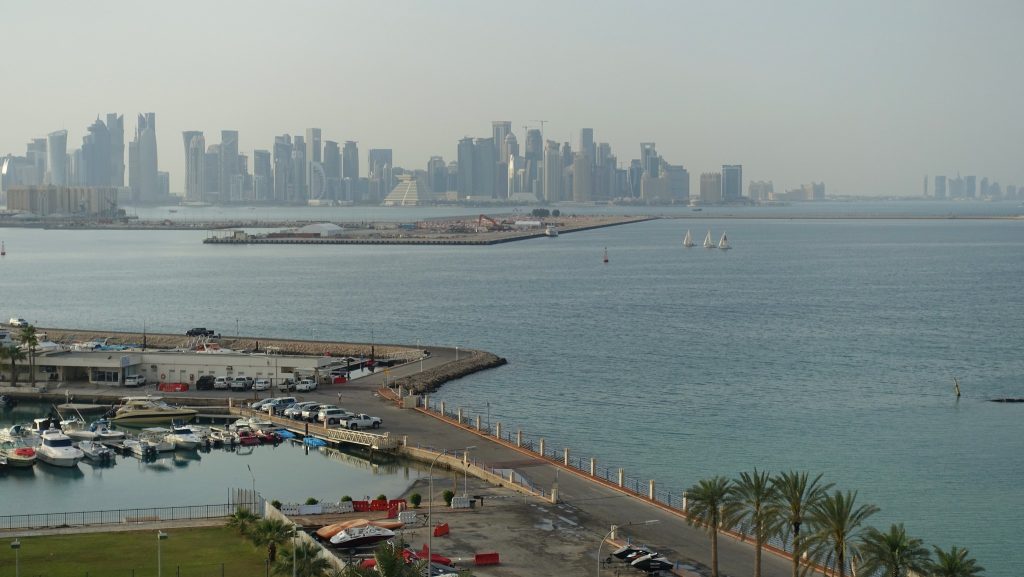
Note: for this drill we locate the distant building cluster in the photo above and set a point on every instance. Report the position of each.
(971, 187)
(307, 169)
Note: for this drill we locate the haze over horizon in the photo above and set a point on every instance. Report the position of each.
(867, 97)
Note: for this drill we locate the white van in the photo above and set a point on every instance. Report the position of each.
(134, 380)
(222, 383)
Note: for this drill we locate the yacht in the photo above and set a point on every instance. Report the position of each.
(56, 449)
(183, 437)
(150, 410)
(95, 452)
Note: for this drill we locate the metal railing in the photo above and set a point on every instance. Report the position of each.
(118, 516)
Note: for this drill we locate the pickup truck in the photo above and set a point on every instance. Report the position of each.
(361, 421)
(134, 380)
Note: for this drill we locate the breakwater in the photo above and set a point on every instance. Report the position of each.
(469, 362)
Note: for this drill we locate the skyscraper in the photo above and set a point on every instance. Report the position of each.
(533, 150)
(115, 130)
(582, 178)
(332, 170)
(228, 164)
(142, 160)
(350, 170)
(466, 167)
(732, 182)
(437, 175)
(500, 129)
(649, 160)
(57, 158)
(262, 175)
(211, 168)
(940, 187)
(380, 174)
(711, 187)
(553, 169)
(195, 165)
(485, 167)
(313, 155)
(282, 163)
(97, 157)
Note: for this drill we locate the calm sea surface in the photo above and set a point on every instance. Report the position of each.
(828, 346)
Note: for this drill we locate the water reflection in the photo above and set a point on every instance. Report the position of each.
(60, 472)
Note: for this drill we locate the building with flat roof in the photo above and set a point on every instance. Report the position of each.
(94, 201)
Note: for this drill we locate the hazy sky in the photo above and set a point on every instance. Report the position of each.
(868, 96)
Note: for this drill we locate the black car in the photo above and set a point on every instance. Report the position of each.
(205, 383)
(199, 332)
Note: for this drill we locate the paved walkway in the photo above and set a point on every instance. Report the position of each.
(599, 505)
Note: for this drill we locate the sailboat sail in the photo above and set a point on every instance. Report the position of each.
(708, 243)
(688, 240)
(724, 242)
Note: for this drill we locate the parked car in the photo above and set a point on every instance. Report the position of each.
(199, 332)
(309, 413)
(295, 411)
(362, 421)
(306, 385)
(134, 380)
(261, 385)
(222, 383)
(261, 404)
(318, 417)
(286, 386)
(279, 405)
(333, 417)
(205, 383)
(241, 384)
(17, 322)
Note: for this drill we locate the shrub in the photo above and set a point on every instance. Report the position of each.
(382, 497)
(345, 498)
(448, 496)
(556, 212)
(312, 501)
(275, 504)
(416, 499)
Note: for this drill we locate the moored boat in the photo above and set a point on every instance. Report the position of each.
(96, 452)
(159, 437)
(57, 449)
(550, 232)
(362, 536)
(150, 410)
(18, 455)
(140, 448)
(183, 437)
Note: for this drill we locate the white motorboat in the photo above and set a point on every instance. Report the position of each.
(57, 449)
(724, 242)
(708, 243)
(184, 438)
(96, 452)
(76, 429)
(158, 437)
(688, 240)
(223, 437)
(550, 232)
(150, 410)
(104, 432)
(254, 423)
(362, 536)
(140, 448)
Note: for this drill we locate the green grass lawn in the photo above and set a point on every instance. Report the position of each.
(194, 552)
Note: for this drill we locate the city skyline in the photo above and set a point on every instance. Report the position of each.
(861, 97)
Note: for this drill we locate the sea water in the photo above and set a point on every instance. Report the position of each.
(827, 346)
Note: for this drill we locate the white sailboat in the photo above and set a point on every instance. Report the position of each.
(688, 240)
(723, 243)
(708, 243)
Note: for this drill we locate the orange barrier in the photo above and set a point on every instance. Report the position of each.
(486, 559)
(441, 530)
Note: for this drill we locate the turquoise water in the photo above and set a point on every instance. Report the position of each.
(820, 345)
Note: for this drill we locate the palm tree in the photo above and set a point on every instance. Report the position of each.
(795, 495)
(30, 340)
(954, 563)
(243, 519)
(747, 505)
(306, 558)
(13, 354)
(271, 533)
(892, 554)
(706, 500)
(836, 520)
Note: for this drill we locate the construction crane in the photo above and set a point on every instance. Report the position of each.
(491, 223)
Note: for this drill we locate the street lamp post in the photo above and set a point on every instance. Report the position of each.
(16, 544)
(465, 470)
(160, 536)
(612, 530)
